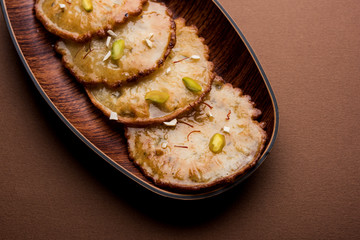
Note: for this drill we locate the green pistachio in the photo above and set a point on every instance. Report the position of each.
(192, 85)
(217, 143)
(157, 96)
(87, 5)
(117, 50)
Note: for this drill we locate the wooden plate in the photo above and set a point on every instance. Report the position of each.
(232, 55)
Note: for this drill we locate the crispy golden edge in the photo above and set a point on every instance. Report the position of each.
(51, 27)
(153, 121)
(68, 63)
(219, 182)
(124, 15)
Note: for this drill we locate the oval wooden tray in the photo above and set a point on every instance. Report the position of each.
(232, 55)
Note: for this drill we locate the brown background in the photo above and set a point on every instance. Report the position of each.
(53, 187)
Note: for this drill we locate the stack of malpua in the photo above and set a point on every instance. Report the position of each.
(186, 128)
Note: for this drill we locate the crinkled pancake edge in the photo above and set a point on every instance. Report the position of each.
(69, 63)
(138, 122)
(51, 27)
(220, 182)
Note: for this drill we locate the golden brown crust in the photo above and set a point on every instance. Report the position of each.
(220, 182)
(135, 10)
(83, 78)
(123, 15)
(204, 187)
(144, 122)
(141, 122)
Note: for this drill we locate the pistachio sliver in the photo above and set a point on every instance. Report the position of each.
(117, 50)
(217, 143)
(192, 84)
(87, 5)
(157, 96)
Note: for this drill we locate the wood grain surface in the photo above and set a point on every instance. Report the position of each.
(227, 50)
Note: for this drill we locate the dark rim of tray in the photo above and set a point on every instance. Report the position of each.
(165, 193)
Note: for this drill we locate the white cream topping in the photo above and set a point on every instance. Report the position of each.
(149, 43)
(112, 33)
(226, 129)
(108, 41)
(106, 57)
(172, 123)
(113, 116)
(195, 57)
(168, 70)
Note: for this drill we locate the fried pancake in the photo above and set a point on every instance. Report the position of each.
(71, 19)
(129, 100)
(180, 157)
(148, 39)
